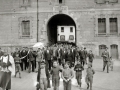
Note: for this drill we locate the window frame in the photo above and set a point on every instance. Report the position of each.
(21, 36)
(104, 24)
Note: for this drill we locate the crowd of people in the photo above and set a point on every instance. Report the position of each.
(47, 60)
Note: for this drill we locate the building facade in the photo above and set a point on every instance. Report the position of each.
(25, 22)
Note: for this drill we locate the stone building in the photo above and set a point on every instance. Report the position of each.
(25, 22)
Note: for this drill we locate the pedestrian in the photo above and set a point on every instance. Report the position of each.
(67, 75)
(47, 56)
(7, 69)
(85, 53)
(39, 58)
(31, 60)
(89, 76)
(43, 77)
(111, 62)
(90, 56)
(105, 56)
(82, 56)
(78, 68)
(17, 65)
(55, 71)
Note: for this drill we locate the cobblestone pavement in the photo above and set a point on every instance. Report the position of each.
(102, 80)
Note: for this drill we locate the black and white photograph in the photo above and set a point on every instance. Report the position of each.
(59, 44)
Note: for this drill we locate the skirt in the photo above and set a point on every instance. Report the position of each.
(5, 80)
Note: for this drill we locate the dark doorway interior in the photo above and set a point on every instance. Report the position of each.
(57, 20)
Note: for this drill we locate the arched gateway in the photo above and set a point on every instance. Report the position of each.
(67, 25)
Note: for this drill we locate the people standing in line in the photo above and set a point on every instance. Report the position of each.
(7, 69)
(67, 74)
(90, 56)
(105, 56)
(43, 77)
(85, 54)
(89, 76)
(78, 68)
(55, 71)
(17, 61)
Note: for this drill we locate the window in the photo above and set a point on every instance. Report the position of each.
(26, 28)
(71, 37)
(62, 29)
(100, 1)
(101, 26)
(71, 29)
(106, 1)
(113, 26)
(112, 1)
(26, 3)
(62, 38)
(60, 1)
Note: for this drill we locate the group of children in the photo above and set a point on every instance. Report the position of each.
(66, 74)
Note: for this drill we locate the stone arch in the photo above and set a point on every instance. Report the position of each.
(50, 15)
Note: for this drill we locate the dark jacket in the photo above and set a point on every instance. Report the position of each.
(47, 55)
(105, 56)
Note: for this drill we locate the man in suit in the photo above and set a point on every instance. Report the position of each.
(82, 56)
(24, 60)
(64, 56)
(85, 52)
(47, 56)
(105, 56)
(73, 52)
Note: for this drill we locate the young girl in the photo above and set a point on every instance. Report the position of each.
(78, 68)
(111, 63)
(17, 65)
(89, 76)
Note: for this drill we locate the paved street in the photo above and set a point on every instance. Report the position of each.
(102, 80)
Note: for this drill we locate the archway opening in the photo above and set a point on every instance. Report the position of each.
(59, 20)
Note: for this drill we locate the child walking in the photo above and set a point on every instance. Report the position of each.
(67, 75)
(55, 71)
(78, 68)
(89, 76)
(17, 65)
(43, 77)
(111, 63)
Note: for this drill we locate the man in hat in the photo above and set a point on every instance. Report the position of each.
(105, 56)
(7, 69)
(43, 77)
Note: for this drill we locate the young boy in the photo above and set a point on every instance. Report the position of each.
(89, 76)
(67, 75)
(78, 68)
(55, 75)
(17, 65)
(90, 56)
(111, 63)
(43, 77)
